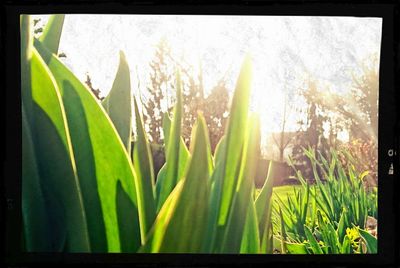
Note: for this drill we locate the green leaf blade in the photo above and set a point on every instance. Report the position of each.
(370, 241)
(190, 217)
(52, 33)
(118, 102)
(235, 137)
(315, 247)
(143, 165)
(56, 160)
(245, 187)
(172, 149)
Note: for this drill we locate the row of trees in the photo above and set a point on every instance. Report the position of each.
(356, 112)
(325, 113)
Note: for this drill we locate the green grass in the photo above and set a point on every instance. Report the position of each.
(281, 191)
(284, 191)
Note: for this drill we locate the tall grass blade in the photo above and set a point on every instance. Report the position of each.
(245, 187)
(214, 201)
(157, 232)
(251, 237)
(172, 149)
(183, 156)
(315, 247)
(283, 233)
(143, 165)
(263, 202)
(235, 138)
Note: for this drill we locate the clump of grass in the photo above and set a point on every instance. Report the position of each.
(327, 210)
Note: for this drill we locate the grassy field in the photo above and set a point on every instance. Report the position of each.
(282, 191)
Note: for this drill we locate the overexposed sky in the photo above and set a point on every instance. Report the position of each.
(285, 50)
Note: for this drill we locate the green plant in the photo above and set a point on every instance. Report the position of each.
(327, 210)
(82, 191)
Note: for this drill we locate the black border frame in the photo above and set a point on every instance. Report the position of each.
(388, 207)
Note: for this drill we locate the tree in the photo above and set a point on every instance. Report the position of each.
(311, 133)
(283, 138)
(214, 107)
(161, 94)
(357, 111)
(359, 108)
(156, 102)
(216, 112)
(364, 92)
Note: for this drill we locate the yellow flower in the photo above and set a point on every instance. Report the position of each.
(352, 233)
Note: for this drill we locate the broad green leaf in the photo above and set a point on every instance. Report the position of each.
(34, 214)
(235, 138)
(190, 216)
(143, 165)
(56, 162)
(172, 149)
(370, 241)
(118, 103)
(315, 247)
(245, 187)
(51, 35)
(251, 236)
(101, 160)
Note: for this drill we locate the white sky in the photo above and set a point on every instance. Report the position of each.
(284, 50)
